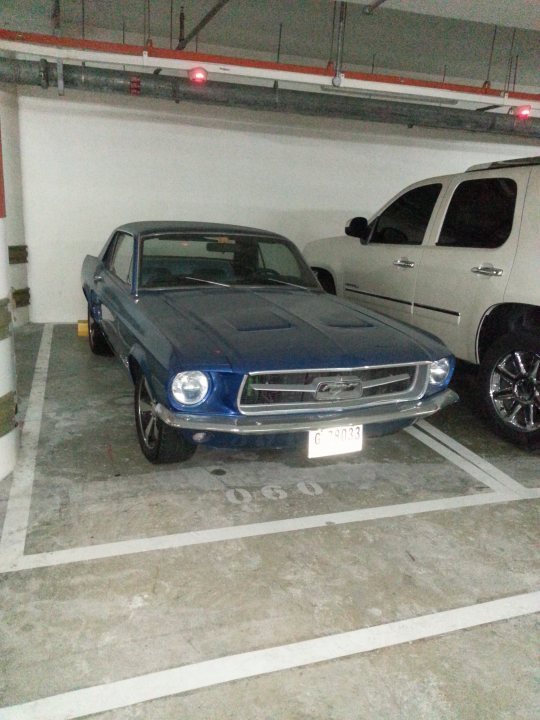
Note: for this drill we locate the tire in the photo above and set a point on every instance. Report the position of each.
(510, 387)
(96, 337)
(159, 442)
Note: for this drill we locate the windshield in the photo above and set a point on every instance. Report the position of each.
(176, 260)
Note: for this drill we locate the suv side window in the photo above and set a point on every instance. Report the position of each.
(122, 262)
(404, 222)
(480, 214)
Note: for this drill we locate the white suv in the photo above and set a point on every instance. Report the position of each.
(458, 256)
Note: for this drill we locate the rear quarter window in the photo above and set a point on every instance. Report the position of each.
(480, 214)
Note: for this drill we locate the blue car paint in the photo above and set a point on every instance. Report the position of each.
(230, 331)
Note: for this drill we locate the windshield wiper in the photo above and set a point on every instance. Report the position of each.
(284, 282)
(202, 280)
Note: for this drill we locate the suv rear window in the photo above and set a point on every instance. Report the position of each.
(480, 214)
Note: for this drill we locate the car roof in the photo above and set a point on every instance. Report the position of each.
(148, 227)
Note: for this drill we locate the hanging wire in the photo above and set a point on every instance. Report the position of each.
(149, 36)
(510, 63)
(278, 55)
(144, 22)
(331, 56)
(171, 26)
(487, 81)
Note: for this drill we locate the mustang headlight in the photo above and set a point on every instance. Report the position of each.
(190, 387)
(440, 371)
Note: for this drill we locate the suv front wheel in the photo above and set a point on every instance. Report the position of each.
(510, 386)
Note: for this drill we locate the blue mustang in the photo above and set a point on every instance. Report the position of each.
(230, 340)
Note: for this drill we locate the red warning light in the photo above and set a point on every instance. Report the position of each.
(523, 112)
(198, 75)
(134, 85)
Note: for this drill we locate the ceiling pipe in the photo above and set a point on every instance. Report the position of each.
(255, 97)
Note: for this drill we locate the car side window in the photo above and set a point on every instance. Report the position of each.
(122, 263)
(109, 252)
(404, 222)
(480, 214)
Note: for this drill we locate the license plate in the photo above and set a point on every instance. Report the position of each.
(335, 441)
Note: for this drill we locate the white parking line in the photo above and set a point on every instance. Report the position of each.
(502, 479)
(473, 465)
(239, 532)
(12, 558)
(20, 496)
(125, 693)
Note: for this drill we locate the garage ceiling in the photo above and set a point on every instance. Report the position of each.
(516, 13)
(450, 39)
(490, 45)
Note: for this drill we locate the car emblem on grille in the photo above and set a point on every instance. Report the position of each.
(339, 389)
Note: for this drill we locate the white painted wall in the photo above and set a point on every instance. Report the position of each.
(90, 163)
(14, 225)
(9, 119)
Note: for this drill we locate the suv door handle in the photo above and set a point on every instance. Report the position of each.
(403, 262)
(487, 270)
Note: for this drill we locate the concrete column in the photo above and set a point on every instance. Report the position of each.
(8, 433)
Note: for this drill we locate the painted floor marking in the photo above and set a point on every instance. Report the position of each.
(20, 496)
(498, 482)
(239, 532)
(502, 478)
(12, 558)
(125, 693)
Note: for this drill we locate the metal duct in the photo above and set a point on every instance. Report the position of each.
(26, 72)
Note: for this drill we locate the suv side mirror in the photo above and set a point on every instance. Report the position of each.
(357, 227)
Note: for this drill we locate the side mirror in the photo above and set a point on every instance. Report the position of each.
(357, 227)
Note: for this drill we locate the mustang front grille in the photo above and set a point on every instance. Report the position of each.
(332, 389)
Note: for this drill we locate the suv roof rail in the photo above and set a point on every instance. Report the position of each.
(506, 163)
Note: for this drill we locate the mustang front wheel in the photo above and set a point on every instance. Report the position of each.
(510, 382)
(159, 442)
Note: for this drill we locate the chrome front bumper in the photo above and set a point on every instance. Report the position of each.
(266, 424)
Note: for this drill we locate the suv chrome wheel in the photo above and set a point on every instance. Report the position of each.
(515, 389)
(510, 381)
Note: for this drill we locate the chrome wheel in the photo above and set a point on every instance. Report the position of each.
(147, 421)
(514, 388)
(159, 442)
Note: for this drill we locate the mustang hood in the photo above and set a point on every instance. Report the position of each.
(248, 329)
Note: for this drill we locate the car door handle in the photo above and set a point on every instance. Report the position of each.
(403, 262)
(97, 278)
(488, 270)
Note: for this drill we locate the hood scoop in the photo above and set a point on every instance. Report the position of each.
(345, 320)
(258, 320)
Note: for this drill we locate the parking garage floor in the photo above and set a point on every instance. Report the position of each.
(401, 582)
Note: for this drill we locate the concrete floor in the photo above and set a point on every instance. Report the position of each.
(397, 583)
